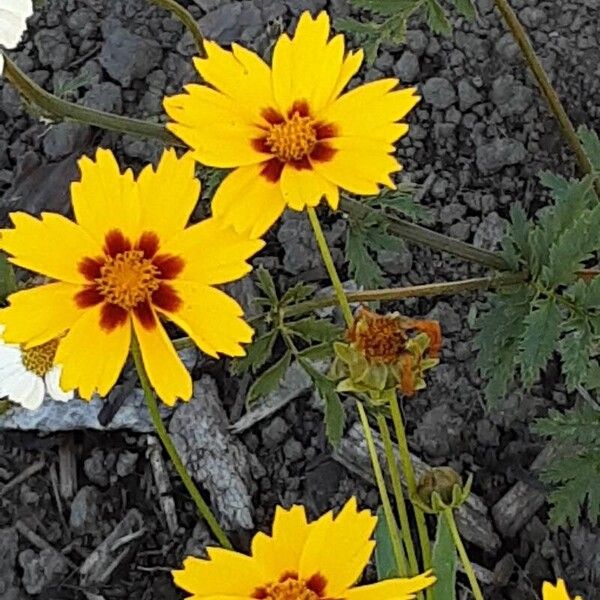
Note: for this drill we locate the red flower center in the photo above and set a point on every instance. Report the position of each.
(130, 277)
(291, 587)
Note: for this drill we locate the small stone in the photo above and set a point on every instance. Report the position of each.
(439, 431)
(64, 138)
(507, 48)
(416, 40)
(127, 56)
(396, 263)
(533, 16)
(502, 152)
(232, 22)
(95, 469)
(439, 92)
(490, 232)
(488, 434)
(126, 463)
(275, 432)
(510, 96)
(104, 96)
(293, 450)
(468, 96)
(41, 570)
(407, 68)
(85, 510)
(54, 49)
(450, 320)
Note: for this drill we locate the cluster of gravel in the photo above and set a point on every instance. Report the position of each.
(478, 138)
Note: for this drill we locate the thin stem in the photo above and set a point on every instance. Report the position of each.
(556, 106)
(203, 508)
(56, 108)
(188, 21)
(397, 489)
(426, 237)
(329, 265)
(411, 482)
(464, 557)
(385, 499)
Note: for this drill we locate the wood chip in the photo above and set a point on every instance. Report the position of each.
(67, 467)
(31, 470)
(163, 483)
(472, 518)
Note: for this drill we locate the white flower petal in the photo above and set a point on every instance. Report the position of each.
(20, 386)
(7, 374)
(9, 354)
(36, 394)
(53, 385)
(13, 21)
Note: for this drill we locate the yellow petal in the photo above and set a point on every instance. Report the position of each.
(91, 357)
(359, 166)
(214, 126)
(396, 589)
(556, 592)
(339, 549)
(227, 573)
(350, 67)
(212, 319)
(248, 201)
(281, 551)
(168, 194)
(167, 374)
(239, 74)
(213, 253)
(308, 66)
(51, 245)
(385, 105)
(38, 315)
(306, 187)
(105, 198)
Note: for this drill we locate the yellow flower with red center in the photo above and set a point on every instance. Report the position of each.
(557, 592)
(126, 261)
(321, 560)
(289, 132)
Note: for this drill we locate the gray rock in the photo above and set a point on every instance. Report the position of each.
(533, 16)
(407, 68)
(439, 92)
(511, 96)
(396, 263)
(213, 456)
(95, 469)
(298, 242)
(207, 5)
(275, 432)
(127, 56)
(85, 510)
(126, 463)
(507, 48)
(416, 40)
(54, 49)
(232, 22)
(439, 431)
(502, 152)
(9, 545)
(65, 138)
(41, 570)
(104, 96)
(299, 6)
(490, 232)
(468, 96)
(293, 450)
(450, 320)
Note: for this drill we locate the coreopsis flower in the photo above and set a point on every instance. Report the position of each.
(289, 132)
(13, 22)
(557, 592)
(127, 261)
(27, 374)
(299, 560)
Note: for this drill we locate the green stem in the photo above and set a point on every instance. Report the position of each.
(464, 557)
(425, 237)
(411, 482)
(556, 106)
(329, 265)
(150, 397)
(188, 21)
(385, 499)
(397, 489)
(56, 108)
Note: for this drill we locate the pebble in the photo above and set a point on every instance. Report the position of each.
(439, 92)
(407, 68)
(493, 156)
(85, 510)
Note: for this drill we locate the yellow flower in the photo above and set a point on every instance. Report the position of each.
(557, 592)
(300, 560)
(127, 261)
(288, 131)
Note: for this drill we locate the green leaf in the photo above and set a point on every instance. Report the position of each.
(540, 339)
(318, 352)
(466, 8)
(519, 230)
(334, 409)
(299, 292)
(362, 267)
(267, 285)
(257, 354)
(593, 378)
(575, 350)
(401, 202)
(436, 18)
(267, 381)
(319, 330)
(8, 282)
(385, 561)
(443, 562)
(591, 145)
(386, 8)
